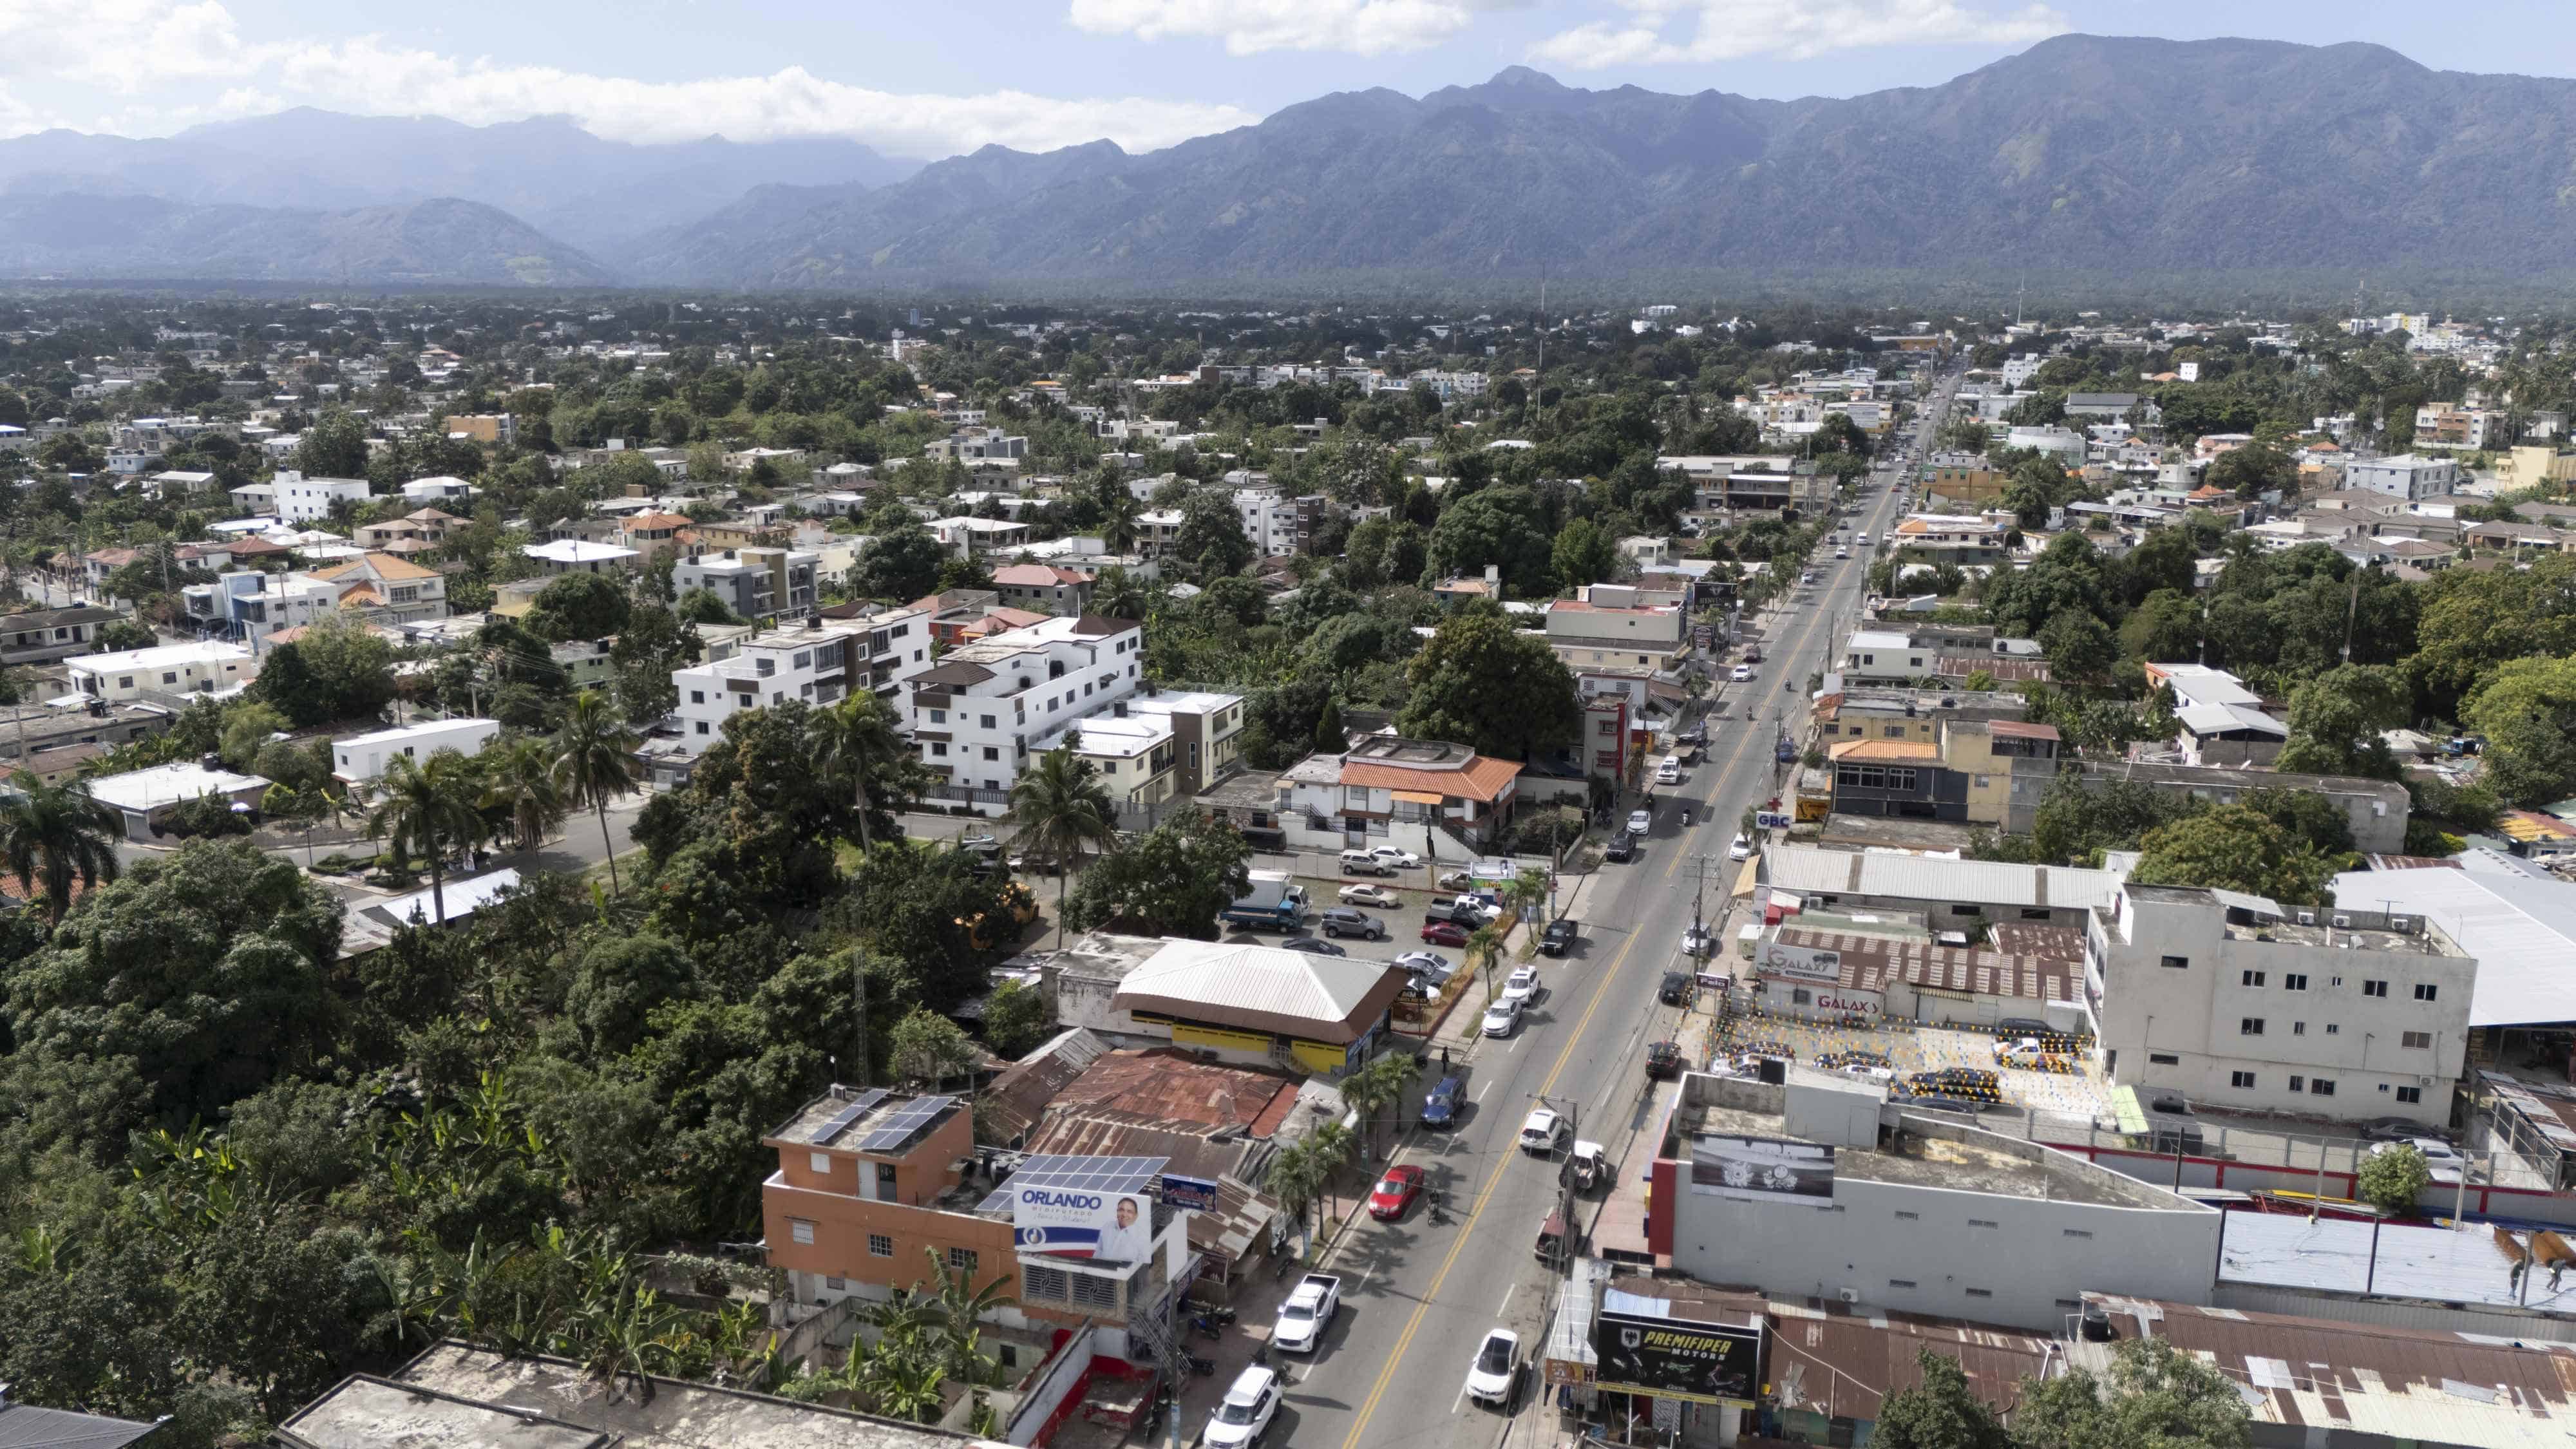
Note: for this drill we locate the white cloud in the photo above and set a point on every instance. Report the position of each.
(1248, 27)
(141, 48)
(1790, 29)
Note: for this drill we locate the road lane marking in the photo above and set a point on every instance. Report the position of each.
(1484, 1199)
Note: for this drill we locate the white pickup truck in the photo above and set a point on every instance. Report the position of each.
(1307, 1313)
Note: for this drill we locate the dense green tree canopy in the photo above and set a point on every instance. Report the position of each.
(1480, 682)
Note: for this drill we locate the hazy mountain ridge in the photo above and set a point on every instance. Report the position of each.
(460, 243)
(2084, 151)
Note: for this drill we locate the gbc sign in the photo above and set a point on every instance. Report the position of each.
(1801, 963)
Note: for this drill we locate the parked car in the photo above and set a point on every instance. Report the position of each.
(1663, 1059)
(1369, 895)
(1521, 985)
(1444, 933)
(1496, 1367)
(1622, 846)
(1739, 848)
(1430, 965)
(1456, 880)
(1340, 921)
(1741, 673)
(1675, 990)
(1698, 941)
(2395, 1129)
(1558, 938)
(1502, 1017)
(1440, 1109)
(1542, 1131)
(1311, 946)
(1395, 1193)
(1468, 911)
(1361, 862)
(1400, 859)
(1640, 821)
(1752, 653)
(1244, 1415)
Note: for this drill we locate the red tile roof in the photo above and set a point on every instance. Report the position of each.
(1483, 778)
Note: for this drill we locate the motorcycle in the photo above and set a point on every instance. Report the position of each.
(1205, 1329)
(1203, 1367)
(1155, 1411)
(1217, 1314)
(1686, 815)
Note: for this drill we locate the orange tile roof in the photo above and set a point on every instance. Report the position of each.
(1484, 778)
(659, 520)
(1886, 750)
(380, 565)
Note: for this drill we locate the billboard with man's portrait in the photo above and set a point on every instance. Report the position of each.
(1067, 1222)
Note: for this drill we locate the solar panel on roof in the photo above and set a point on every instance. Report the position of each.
(1094, 1174)
(907, 1121)
(841, 1120)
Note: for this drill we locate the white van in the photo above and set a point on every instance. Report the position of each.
(1360, 862)
(1670, 771)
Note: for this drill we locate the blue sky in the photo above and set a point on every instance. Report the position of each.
(929, 80)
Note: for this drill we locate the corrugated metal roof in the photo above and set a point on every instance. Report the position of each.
(1019, 1096)
(2520, 930)
(1837, 1363)
(2404, 1384)
(1874, 963)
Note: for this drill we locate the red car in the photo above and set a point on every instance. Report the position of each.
(1444, 933)
(1395, 1192)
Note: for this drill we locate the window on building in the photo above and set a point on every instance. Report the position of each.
(2298, 1084)
(1049, 1284)
(697, 696)
(2249, 1026)
(1900, 1282)
(2374, 988)
(1983, 1223)
(2241, 1081)
(961, 1260)
(835, 1284)
(885, 1182)
(2034, 913)
(2253, 978)
(988, 722)
(2427, 991)
(819, 1161)
(2076, 1232)
(2411, 1096)
(938, 751)
(2176, 963)
(2418, 1040)
(1906, 1217)
(702, 726)
(2294, 981)
(1980, 1292)
(2164, 1059)
(2320, 1087)
(2332, 1029)
(880, 1245)
(800, 1230)
(991, 753)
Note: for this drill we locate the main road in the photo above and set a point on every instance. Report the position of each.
(1420, 1297)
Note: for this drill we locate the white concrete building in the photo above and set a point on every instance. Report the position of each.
(2238, 1002)
(1269, 520)
(2403, 475)
(820, 663)
(577, 556)
(359, 759)
(298, 499)
(210, 667)
(984, 711)
(2065, 444)
(1797, 1189)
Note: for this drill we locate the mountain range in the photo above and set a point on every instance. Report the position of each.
(2083, 152)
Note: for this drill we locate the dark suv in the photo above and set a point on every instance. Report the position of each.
(1675, 991)
(1623, 846)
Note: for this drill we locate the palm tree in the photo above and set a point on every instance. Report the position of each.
(854, 742)
(1381, 1084)
(1296, 1178)
(1062, 807)
(428, 809)
(595, 761)
(60, 833)
(520, 776)
(1117, 595)
(1332, 1145)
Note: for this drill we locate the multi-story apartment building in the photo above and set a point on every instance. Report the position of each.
(1270, 520)
(760, 584)
(2403, 475)
(41, 636)
(820, 662)
(2239, 1002)
(249, 605)
(298, 499)
(983, 711)
(1043, 588)
(1752, 484)
(2448, 425)
(1206, 730)
(1609, 626)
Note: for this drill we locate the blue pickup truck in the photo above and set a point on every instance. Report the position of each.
(1272, 905)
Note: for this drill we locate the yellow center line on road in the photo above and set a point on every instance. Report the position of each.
(1467, 1226)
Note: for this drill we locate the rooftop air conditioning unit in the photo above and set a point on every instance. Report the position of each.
(2307, 918)
(1849, 1295)
(2343, 921)
(2401, 923)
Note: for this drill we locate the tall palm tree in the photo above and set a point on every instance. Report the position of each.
(1117, 595)
(1296, 1178)
(59, 833)
(1380, 1084)
(855, 742)
(1332, 1144)
(595, 761)
(520, 776)
(1061, 807)
(428, 809)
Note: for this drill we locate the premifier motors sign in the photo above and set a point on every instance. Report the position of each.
(1678, 1358)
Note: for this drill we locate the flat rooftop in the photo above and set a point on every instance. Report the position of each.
(1941, 1154)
